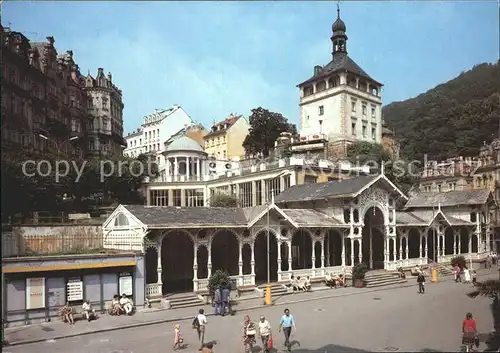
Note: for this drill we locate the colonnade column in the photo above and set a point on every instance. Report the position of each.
(352, 251)
(188, 166)
(198, 169)
(426, 245)
(406, 250)
(420, 248)
(360, 250)
(454, 242)
(279, 260)
(252, 260)
(209, 262)
(159, 241)
(195, 268)
(240, 259)
(176, 168)
(342, 241)
(443, 244)
(313, 254)
(459, 246)
(289, 246)
(323, 255)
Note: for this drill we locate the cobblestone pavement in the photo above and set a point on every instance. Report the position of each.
(387, 320)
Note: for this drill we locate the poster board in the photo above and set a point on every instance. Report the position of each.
(125, 284)
(74, 289)
(35, 293)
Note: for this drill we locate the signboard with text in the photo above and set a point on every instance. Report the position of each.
(74, 289)
(35, 293)
(125, 284)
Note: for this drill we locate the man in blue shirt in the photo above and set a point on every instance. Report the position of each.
(287, 322)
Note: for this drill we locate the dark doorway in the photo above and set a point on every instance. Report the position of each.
(151, 259)
(225, 253)
(177, 257)
(260, 255)
(301, 250)
(374, 221)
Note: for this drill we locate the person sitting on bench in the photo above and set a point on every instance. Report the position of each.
(126, 304)
(339, 281)
(66, 314)
(294, 284)
(87, 311)
(329, 280)
(307, 284)
(301, 284)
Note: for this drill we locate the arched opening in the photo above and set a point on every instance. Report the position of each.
(391, 250)
(284, 256)
(449, 241)
(373, 238)
(151, 259)
(464, 240)
(413, 244)
(356, 252)
(202, 261)
(474, 242)
(317, 254)
(423, 238)
(333, 248)
(398, 247)
(246, 256)
(260, 254)
(177, 257)
(403, 248)
(348, 252)
(225, 252)
(431, 244)
(121, 220)
(301, 250)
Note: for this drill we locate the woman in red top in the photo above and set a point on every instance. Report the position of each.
(469, 331)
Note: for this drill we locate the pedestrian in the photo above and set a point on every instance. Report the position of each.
(200, 323)
(421, 282)
(226, 301)
(178, 340)
(265, 333)
(249, 332)
(217, 300)
(287, 322)
(469, 332)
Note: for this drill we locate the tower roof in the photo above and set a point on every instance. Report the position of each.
(338, 25)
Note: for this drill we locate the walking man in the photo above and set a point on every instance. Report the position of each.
(421, 282)
(287, 322)
(200, 322)
(264, 333)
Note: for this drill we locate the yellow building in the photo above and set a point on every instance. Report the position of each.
(225, 139)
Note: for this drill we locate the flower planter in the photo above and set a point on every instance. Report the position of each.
(359, 283)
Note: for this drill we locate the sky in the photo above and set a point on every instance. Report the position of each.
(216, 58)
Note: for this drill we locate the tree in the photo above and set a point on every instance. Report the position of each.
(265, 128)
(364, 152)
(223, 200)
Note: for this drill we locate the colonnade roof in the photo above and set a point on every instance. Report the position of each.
(449, 198)
(424, 218)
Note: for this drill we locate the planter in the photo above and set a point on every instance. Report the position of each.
(359, 283)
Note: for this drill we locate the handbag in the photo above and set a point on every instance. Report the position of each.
(270, 343)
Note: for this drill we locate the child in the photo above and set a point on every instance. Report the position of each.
(178, 340)
(474, 278)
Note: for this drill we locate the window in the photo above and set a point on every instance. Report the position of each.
(194, 198)
(364, 131)
(353, 106)
(158, 198)
(473, 217)
(374, 112)
(374, 133)
(439, 187)
(364, 109)
(310, 179)
(177, 197)
(321, 110)
(273, 187)
(245, 194)
(353, 129)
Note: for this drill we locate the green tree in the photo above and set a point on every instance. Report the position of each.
(265, 128)
(223, 200)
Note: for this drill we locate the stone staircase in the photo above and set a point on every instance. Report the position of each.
(443, 269)
(380, 278)
(184, 300)
(277, 290)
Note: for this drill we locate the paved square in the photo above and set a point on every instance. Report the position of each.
(387, 320)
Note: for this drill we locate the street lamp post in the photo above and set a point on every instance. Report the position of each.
(56, 144)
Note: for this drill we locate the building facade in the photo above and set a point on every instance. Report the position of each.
(156, 129)
(341, 101)
(45, 103)
(225, 139)
(105, 105)
(315, 229)
(451, 174)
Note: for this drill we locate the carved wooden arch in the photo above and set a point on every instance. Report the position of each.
(185, 231)
(229, 230)
(264, 230)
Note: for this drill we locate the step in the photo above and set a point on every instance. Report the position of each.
(187, 305)
(177, 296)
(185, 300)
(382, 284)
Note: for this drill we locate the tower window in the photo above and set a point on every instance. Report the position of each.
(364, 109)
(373, 112)
(353, 129)
(321, 110)
(374, 131)
(364, 131)
(353, 106)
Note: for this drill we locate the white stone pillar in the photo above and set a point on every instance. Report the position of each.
(313, 253)
(443, 243)
(342, 240)
(159, 242)
(195, 268)
(279, 260)
(209, 262)
(169, 167)
(426, 246)
(188, 167)
(240, 258)
(360, 249)
(406, 250)
(176, 169)
(323, 254)
(252, 260)
(459, 246)
(289, 246)
(198, 169)
(400, 255)
(420, 248)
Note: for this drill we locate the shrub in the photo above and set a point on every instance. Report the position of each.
(223, 200)
(459, 260)
(217, 279)
(359, 272)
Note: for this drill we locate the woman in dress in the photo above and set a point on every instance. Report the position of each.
(249, 332)
(467, 277)
(469, 331)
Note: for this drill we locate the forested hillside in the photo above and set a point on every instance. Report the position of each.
(454, 117)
